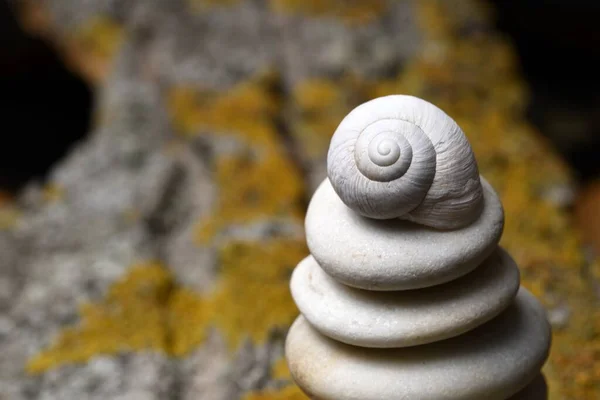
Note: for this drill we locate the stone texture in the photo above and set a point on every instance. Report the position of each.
(135, 190)
(396, 254)
(131, 376)
(493, 361)
(326, 61)
(75, 247)
(404, 318)
(138, 53)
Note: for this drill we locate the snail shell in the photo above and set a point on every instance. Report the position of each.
(402, 157)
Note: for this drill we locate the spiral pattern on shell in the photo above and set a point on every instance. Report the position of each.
(402, 157)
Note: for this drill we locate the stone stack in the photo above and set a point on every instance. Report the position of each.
(395, 308)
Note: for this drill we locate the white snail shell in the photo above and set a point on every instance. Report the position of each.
(402, 157)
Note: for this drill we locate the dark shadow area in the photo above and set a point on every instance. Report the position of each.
(558, 42)
(45, 108)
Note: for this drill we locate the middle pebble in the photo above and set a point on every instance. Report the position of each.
(404, 318)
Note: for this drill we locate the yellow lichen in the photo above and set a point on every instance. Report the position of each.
(132, 317)
(88, 48)
(248, 194)
(246, 113)
(245, 177)
(290, 391)
(253, 295)
(189, 316)
(53, 192)
(92, 46)
(317, 95)
(250, 298)
(319, 105)
(9, 212)
(246, 110)
(100, 35)
(355, 12)
(9, 216)
(147, 311)
(280, 370)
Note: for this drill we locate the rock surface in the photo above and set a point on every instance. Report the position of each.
(178, 83)
(493, 361)
(396, 254)
(404, 318)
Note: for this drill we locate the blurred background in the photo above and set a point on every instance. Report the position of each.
(118, 120)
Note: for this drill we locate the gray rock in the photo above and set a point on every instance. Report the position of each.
(326, 49)
(404, 318)
(134, 376)
(73, 250)
(320, 47)
(396, 254)
(494, 361)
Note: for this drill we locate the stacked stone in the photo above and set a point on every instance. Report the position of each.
(406, 293)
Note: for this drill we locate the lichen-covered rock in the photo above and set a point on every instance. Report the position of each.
(185, 203)
(330, 61)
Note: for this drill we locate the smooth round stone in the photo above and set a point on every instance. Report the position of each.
(396, 254)
(409, 317)
(493, 362)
